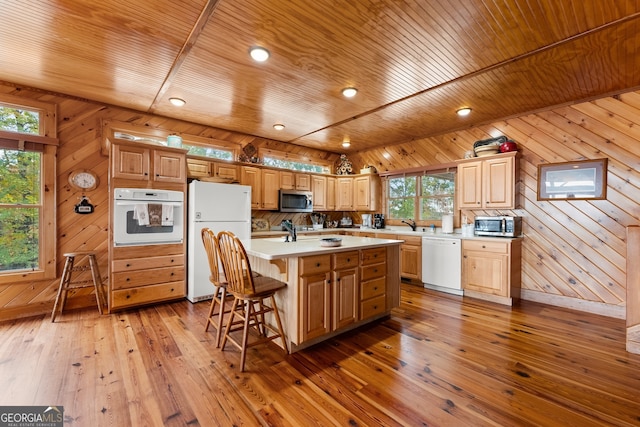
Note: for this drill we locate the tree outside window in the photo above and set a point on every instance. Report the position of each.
(20, 195)
(424, 198)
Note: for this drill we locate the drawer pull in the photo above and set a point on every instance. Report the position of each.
(317, 264)
(128, 265)
(128, 279)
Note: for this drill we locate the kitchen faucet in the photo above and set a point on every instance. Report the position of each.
(411, 224)
(292, 231)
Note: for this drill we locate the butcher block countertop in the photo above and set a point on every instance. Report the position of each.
(276, 248)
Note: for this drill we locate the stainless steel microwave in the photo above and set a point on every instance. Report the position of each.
(498, 226)
(296, 201)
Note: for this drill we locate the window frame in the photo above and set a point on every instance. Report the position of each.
(47, 220)
(418, 197)
(327, 165)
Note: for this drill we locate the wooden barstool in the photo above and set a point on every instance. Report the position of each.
(66, 283)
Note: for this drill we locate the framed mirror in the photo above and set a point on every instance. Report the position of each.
(579, 180)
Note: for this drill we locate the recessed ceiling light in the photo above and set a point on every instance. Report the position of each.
(178, 102)
(346, 144)
(464, 111)
(278, 126)
(349, 92)
(259, 54)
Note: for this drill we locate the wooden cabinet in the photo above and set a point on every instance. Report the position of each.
(411, 257)
(252, 176)
(315, 296)
(270, 189)
(198, 168)
(226, 171)
(138, 276)
(372, 282)
(287, 180)
(319, 190)
(144, 163)
(344, 289)
(331, 193)
(344, 194)
(486, 183)
(366, 193)
(491, 269)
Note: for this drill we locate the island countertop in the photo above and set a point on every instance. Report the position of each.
(277, 248)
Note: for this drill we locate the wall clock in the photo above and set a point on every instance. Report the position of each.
(83, 179)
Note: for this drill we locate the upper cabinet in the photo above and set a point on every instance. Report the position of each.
(366, 193)
(344, 193)
(295, 181)
(264, 184)
(319, 190)
(488, 183)
(144, 163)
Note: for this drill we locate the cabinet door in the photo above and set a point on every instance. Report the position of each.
(345, 297)
(331, 194)
(315, 294)
(130, 162)
(319, 189)
(486, 272)
(411, 261)
(344, 194)
(470, 185)
(169, 166)
(362, 193)
(198, 168)
(499, 175)
(287, 181)
(225, 171)
(303, 181)
(270, 187)
(252, 176)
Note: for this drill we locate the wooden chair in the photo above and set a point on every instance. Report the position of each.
(217, 279)
(250, 294)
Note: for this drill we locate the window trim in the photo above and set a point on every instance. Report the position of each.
(326, 164)
(48, 222)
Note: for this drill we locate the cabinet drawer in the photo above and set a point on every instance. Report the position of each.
(411, 240)
(486, 245)
(372, 288)
(373, 271)
(372, 306)
(130, 279)
(147, 263)
(147, 294)
(344, 260)
(374, 256)
(315, 264)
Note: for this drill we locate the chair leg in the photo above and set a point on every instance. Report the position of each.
(222, 303)
(212, 308)
(279, 323)
(229, 322)
(62, 288)
(97, 282)
(245, 333)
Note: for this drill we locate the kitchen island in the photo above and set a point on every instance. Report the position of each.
(330, 290)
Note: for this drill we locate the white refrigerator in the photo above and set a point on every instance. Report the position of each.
(218, 207)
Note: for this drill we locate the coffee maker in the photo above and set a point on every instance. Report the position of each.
(378, 221)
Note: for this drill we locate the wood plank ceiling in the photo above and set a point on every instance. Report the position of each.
(414, 62)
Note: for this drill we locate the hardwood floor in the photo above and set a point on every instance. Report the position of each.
(438, 360)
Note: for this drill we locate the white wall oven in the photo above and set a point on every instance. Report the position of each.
(147, 216)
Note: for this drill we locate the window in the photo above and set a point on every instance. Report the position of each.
(293, 162)
(27, 212)
(422, 197)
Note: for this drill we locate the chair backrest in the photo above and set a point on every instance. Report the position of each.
(211, 247)
(236, 264)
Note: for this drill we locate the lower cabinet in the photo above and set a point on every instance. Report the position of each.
(138, 279)
(411, 257)
(339, 289)
(373, 269)
(491, 269)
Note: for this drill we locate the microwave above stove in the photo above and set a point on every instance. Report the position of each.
(498, 226)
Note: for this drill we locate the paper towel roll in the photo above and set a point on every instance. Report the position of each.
(447, 223)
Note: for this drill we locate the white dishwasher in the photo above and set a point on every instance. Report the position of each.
(442, 264)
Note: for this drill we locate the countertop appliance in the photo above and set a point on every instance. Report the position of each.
(442, 264)
(296, 201)
(218, 207)
(378, 221)
(131, 214)
(498, 226)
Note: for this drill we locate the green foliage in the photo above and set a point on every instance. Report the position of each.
(215, 153)
(293, 165)
(433, 194)
(20, 196)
